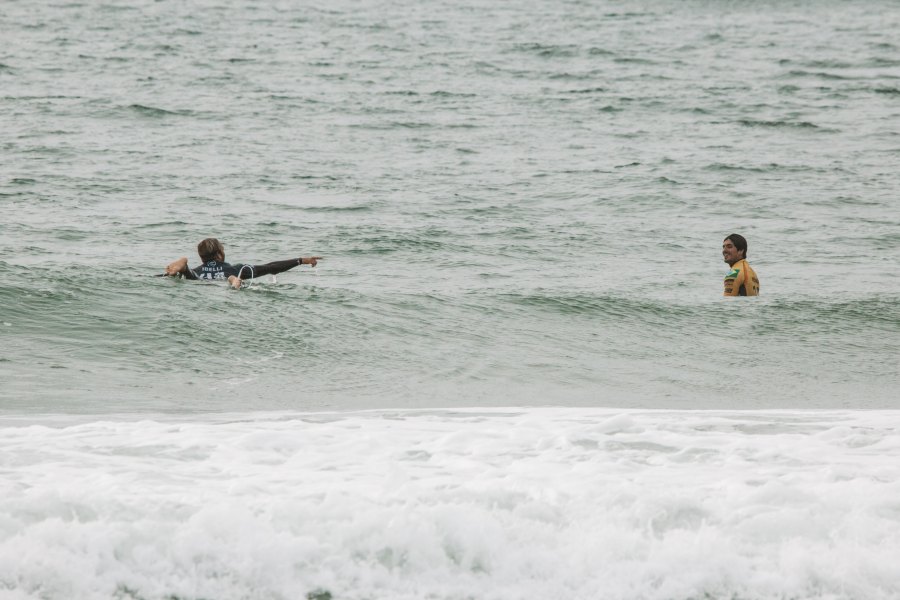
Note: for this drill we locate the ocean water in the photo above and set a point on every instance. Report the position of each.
(513, 374)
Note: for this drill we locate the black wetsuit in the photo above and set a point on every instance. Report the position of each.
(218, 271)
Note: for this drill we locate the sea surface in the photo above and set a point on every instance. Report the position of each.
(513, 373)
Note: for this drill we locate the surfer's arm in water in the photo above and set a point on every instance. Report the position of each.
(272, 268)
(278, 266)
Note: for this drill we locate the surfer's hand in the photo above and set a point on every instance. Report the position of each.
(310, 260)
(235, 282)
(177, 267)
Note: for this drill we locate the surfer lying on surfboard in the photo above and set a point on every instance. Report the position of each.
(214, 267)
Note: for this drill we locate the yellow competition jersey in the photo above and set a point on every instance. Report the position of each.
(741, 280)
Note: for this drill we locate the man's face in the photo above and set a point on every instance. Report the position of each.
(730, 253)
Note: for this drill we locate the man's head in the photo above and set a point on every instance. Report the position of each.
(211, 249)
(734, 248)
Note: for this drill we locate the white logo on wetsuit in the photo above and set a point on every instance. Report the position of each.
(211, 270)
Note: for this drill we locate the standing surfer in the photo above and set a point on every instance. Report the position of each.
(741, 280)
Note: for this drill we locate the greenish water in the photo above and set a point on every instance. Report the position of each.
(519, 204)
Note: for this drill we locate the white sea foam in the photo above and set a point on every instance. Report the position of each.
(534, 503)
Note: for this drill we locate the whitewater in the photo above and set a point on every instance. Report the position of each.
(494, 504)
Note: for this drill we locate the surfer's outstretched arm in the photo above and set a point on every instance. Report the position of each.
(272, 268)
(279, 266)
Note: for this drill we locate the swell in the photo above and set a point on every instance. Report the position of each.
(810, 315)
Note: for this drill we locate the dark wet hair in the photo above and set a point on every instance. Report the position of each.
(739, 242)
(209, 249)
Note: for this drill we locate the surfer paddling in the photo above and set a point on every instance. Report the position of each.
(214, 267)
(741, 280)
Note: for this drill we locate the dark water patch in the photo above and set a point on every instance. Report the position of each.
(483, 66)
(818, 64)
(591, 90)
(382, 240)
(779, 124)
(667, 181)
(567, 76)
(609, 108)
(156, 226)
(816, 75)
(302, 99)
(584, 171)
(884, 62)
(476, 213)
(69, 234)
(117, 8)
(354, 208)
(410, 125)
(445, 94)
(547, 50)
(154, 112)
(595, 51)
(379, 49)
(315, 177)
(22, 181)
(631, 60)
(4, 68)
(391, 243)
(237, 60)
(838, 201)
(518, 232)
(887, 91)
(43, 97)
(771, 167)
(627, 15)
(51, 150)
